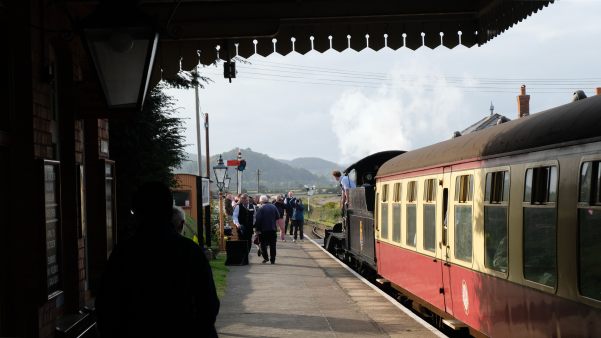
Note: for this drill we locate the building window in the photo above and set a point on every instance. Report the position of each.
(430, 214)
(384, 213)
(53, 226)
(540, 194)
(396, 213)
(463, 217)
(495, 220)
(589, 226)
(181, 198)
(410, 238)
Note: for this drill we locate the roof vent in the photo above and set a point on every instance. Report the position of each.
(456, 134)
(578, 95)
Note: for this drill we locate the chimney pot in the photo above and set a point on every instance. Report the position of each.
(523, 103)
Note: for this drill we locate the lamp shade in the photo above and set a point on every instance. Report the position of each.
(226, 182)
(220, 171)
(122, 44)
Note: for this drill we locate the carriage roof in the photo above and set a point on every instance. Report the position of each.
(573, 123)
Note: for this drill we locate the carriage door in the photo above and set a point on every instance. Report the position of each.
(444, 245)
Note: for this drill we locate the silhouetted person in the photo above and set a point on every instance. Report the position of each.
(178, 219)
(158, 283)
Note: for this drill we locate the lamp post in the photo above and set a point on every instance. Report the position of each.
(220, 171)
(122, 43)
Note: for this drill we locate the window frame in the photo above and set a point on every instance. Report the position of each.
(411, 202)
(503, 203)
(462, 197)
(581, 205)
(538, 205)
(429, 199)
(397, 204)
(385, 212)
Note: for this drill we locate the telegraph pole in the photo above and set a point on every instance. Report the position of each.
(207, 210)
(258, 179)
(239, 173)
(199, 207)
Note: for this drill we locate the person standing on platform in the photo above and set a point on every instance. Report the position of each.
(244, 218)
(298, 219)
(265, 225)
(158, 283)
(289, 203)
(279, 204)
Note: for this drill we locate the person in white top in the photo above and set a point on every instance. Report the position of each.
(345, 184)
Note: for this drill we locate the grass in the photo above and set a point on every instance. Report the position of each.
(219, 274)
(325, 209)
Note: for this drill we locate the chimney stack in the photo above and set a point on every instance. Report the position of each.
(598, 90)
(523, 103)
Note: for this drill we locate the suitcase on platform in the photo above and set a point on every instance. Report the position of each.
(237, 252)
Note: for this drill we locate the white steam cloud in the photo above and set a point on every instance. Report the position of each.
(412, 110)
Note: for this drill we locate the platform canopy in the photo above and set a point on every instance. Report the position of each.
(207, 30)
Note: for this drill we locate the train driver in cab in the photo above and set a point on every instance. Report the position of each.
(345, 184)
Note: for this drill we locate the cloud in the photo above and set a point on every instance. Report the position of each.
(410, 111)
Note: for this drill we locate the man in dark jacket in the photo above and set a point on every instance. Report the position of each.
(243, 218)
(159, 283)
(265, 224)
(289, 202)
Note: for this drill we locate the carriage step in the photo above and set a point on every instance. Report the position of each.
(454, 324)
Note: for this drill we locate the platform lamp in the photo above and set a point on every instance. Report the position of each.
(226, 182)
(122, 43)
(220, 171)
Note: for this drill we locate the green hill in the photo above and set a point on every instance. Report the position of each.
(274, 174)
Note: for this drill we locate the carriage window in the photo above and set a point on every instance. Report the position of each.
(463, 188)
(396, 213)
(463, 217)
(411, 213)
(589, 225)
(430, 227)
(411, 225)
(385, 193)
(541, 185)
(411, 191)
(384, 213)
(540, 221)
(429, 230)
(396, 222)
(396, 192)
(429, 190)
(495, 220)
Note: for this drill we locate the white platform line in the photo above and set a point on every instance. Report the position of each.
(390, 299)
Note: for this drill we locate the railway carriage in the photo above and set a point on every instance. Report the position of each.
(500, 230)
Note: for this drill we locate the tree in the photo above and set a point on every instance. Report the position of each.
(147, 145)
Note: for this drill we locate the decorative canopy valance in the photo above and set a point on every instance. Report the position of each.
(205, 31)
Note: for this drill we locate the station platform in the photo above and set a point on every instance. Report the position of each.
(307, 293)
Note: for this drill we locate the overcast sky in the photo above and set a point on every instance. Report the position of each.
(343, 106)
